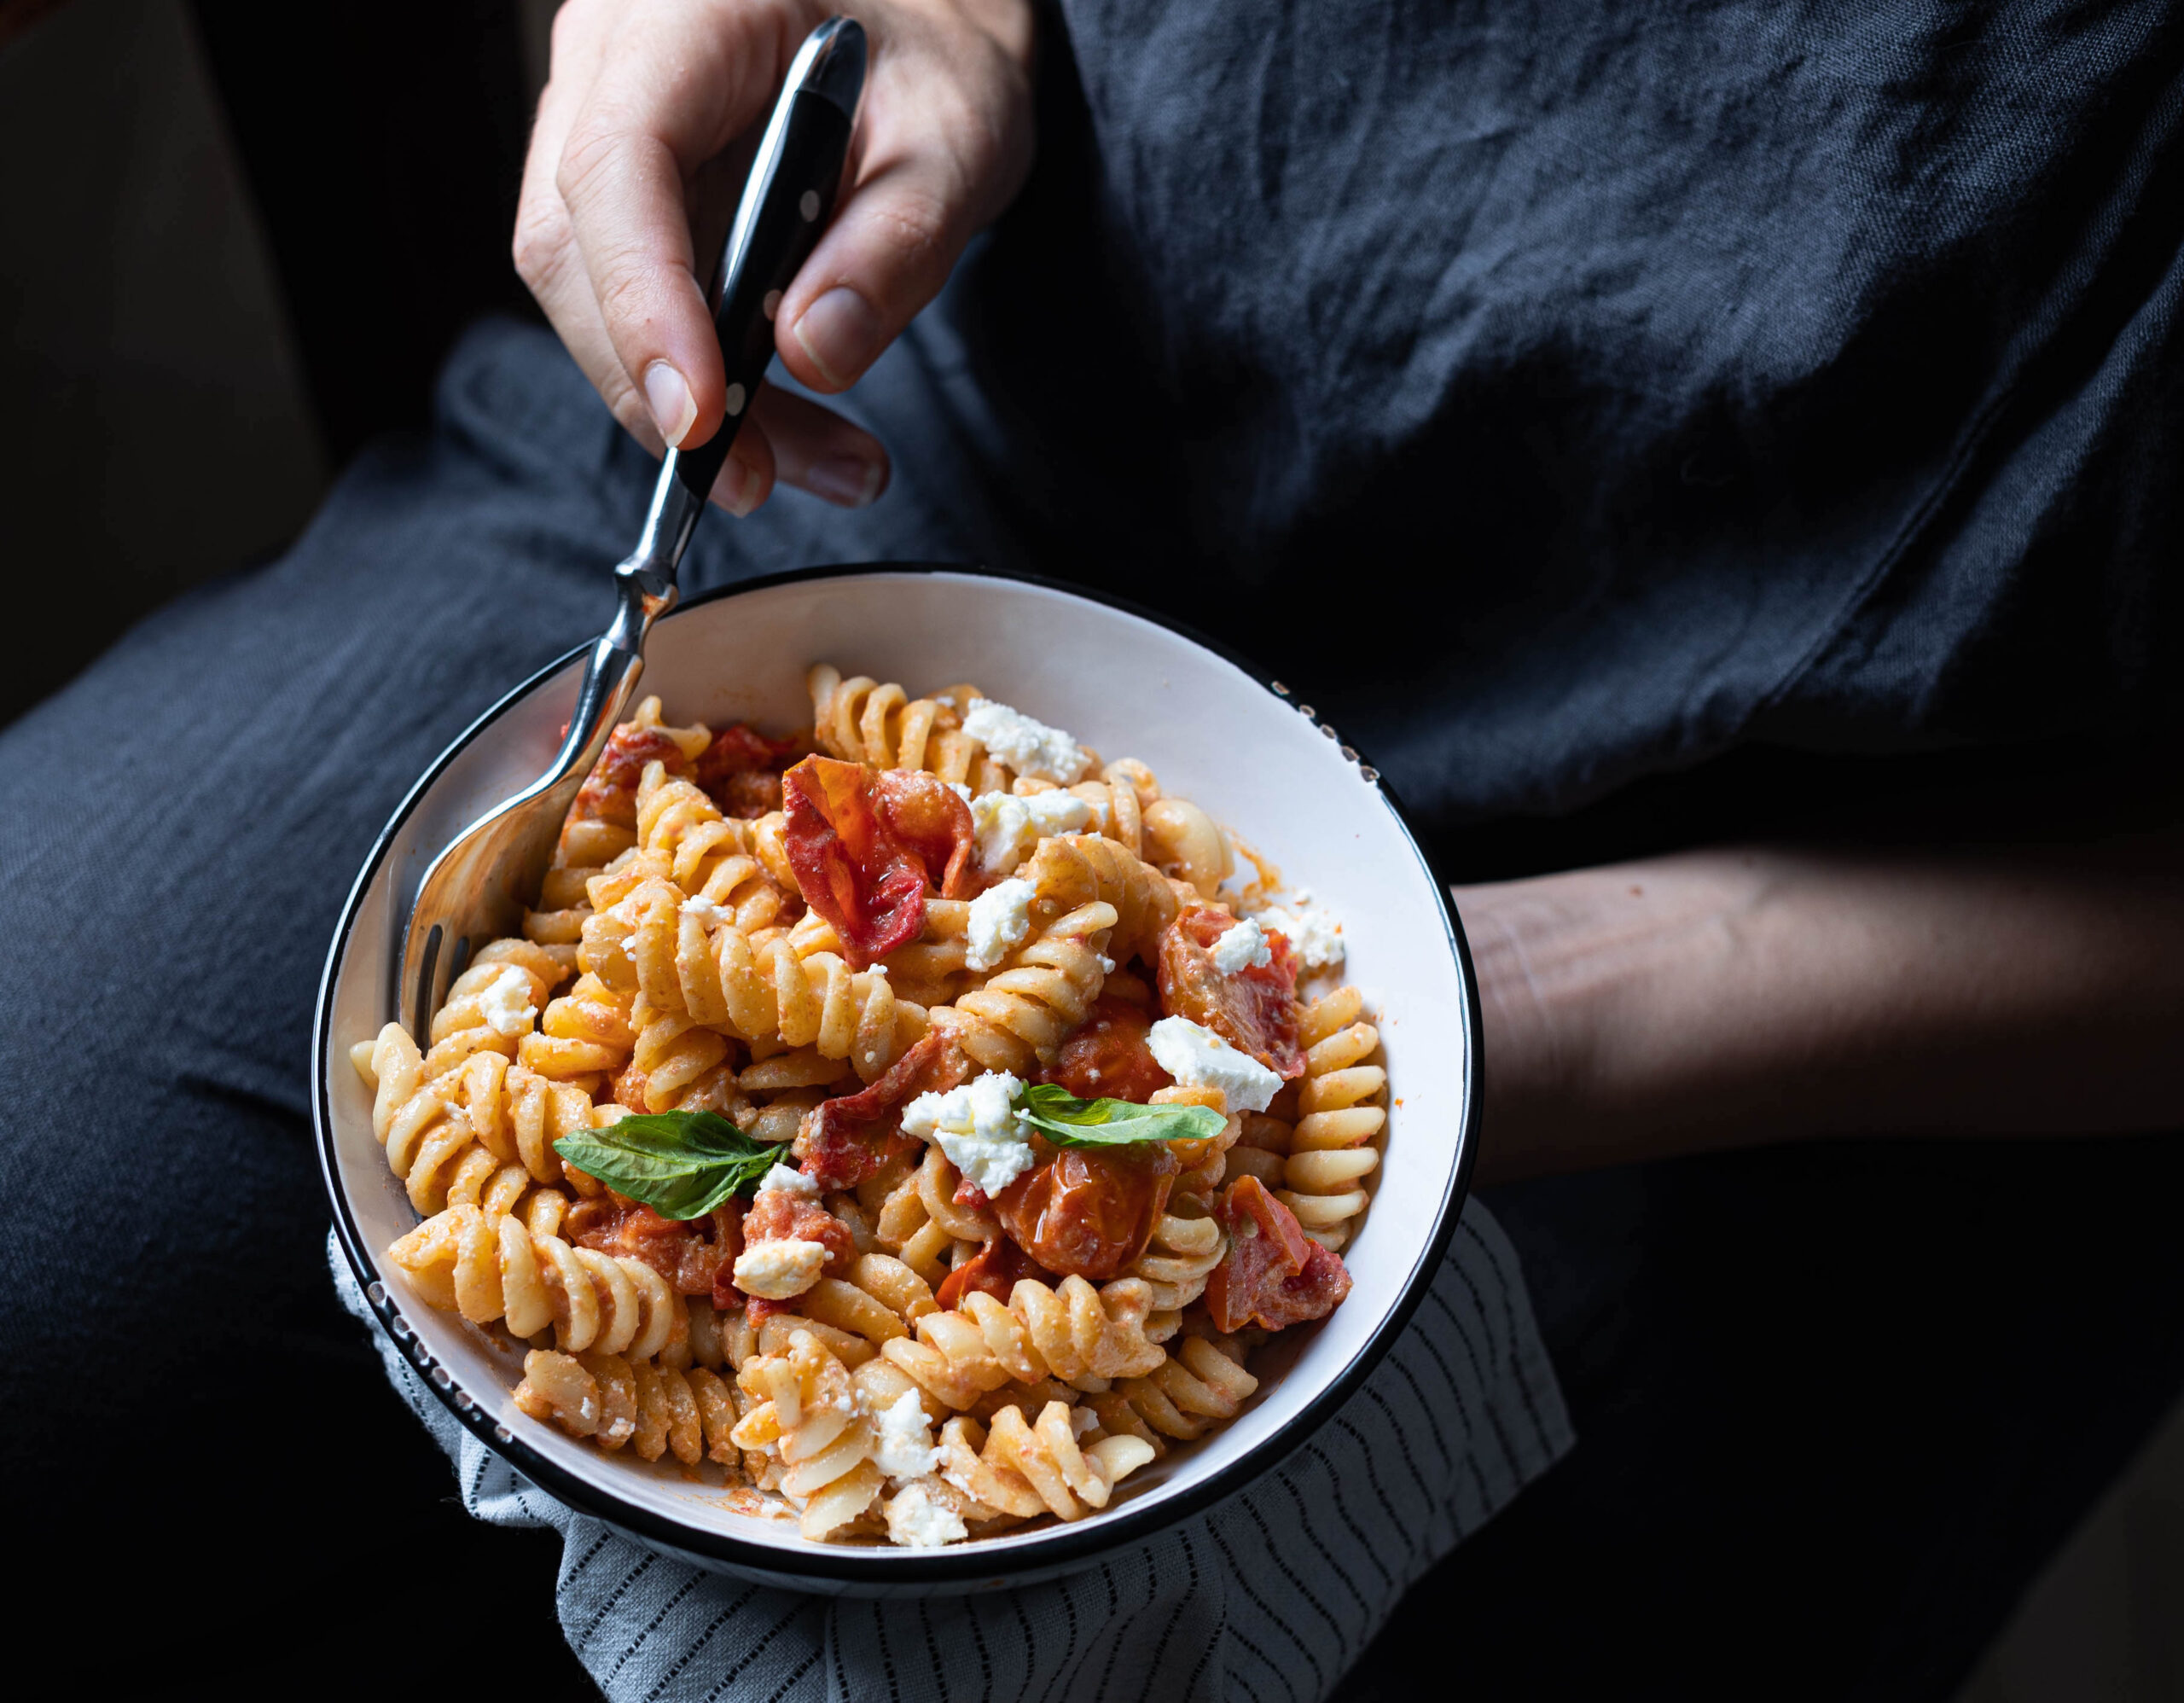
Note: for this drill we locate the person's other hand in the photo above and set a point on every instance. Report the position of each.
(643, 94)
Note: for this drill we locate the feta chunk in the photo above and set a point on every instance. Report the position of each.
(776, 1270)
(1315, 935)
(1029, 748)
(1198, 1057)
(505, 1002)
(976, 1125)
(784, 1181)
(1242, 948)
(711, 914)
(904, 1449)
(1009, 828)
(999, 918)
(916, 1521)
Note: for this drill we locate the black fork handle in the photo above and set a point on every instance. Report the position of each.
(787, 203)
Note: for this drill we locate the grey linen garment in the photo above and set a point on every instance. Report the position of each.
(1271, 1595)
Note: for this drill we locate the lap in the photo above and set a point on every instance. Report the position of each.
(1835, 1405)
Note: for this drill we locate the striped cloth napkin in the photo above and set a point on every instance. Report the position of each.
(1271, 1596)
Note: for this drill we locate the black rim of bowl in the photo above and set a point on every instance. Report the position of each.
(1059, 1548)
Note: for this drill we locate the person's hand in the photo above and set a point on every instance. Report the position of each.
(644, 93)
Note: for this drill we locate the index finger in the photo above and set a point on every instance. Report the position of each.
(677, 83)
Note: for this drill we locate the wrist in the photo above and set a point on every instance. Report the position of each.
(1619, 1007)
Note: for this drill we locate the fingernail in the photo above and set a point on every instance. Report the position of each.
(669, 398)
(841, 334)
(736, 490)
(845, 480)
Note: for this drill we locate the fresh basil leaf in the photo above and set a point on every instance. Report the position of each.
(1069, 1122)
(680, 1164)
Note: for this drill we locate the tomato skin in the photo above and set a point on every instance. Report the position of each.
(1272, 1276)
(776, 1215)
(1255, 1009)
(740, 770)
(865, 845)
(691, 1254)
(1088, 1212)
(852, 1137)
(609, 793)
(995, 1270)
(1107, 1056)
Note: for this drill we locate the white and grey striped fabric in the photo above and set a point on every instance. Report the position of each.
(1270, 1596)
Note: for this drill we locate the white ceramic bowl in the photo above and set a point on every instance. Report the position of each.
(1243, 747)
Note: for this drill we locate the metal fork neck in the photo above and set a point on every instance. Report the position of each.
(669, 522)
(644, 586)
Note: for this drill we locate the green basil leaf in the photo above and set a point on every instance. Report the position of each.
(680, 1164)
(1069, 1122)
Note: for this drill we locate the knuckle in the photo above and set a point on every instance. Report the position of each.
(624, 291)
(588, 154)
(914, 227)
(541, 241)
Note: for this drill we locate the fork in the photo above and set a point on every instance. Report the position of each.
(476, 889)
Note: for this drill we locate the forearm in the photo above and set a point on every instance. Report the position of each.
(1719, 999)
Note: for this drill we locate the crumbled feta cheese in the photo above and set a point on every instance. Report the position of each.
(1198, 1057)
(904, 1447)
(1082, 1420)
(1029, 748)
(957, 788)
(1009, 828)
(1058, 812)
(1314, 935)
(505, 1002)
(916, 1521)
(977, 1127)
(711, 914)
(999, 918)
(786, 1181)
(775, 1271)
(1242, 948)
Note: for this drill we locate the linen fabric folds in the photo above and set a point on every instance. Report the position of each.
(1270, 1596)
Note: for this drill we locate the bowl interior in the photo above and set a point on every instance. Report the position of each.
(1125, 685)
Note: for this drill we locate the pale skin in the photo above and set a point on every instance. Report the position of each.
(1723, 997)
(1701, 1001)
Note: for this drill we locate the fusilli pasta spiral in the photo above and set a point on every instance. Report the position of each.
(1195, 1385)
(1019, 1018)
(808, 1416)
(1331, 1151)
(1186, 1244)
(710, 858)
(613, 1400)
(584, 1035)
(920, 1222)
(1028, 1468)
(863, 721)
(1075, 1333)
(446, 1136)
(515, 1268)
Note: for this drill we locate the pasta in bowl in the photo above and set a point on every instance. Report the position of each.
(897, 1134)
